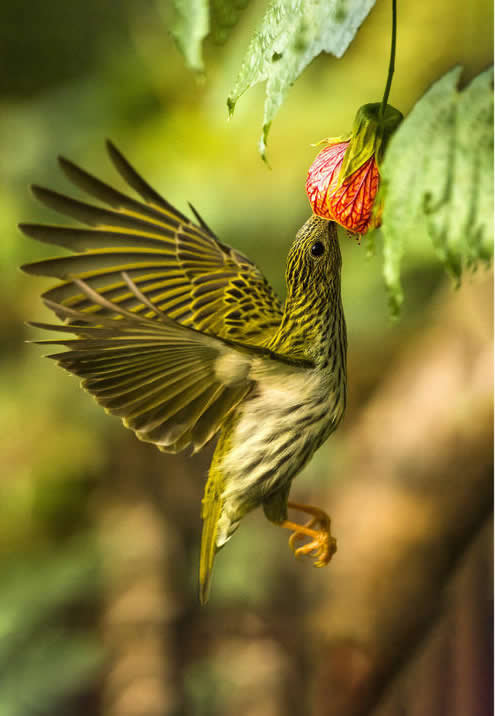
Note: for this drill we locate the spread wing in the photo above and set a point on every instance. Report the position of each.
(172, 385)
(180, 266)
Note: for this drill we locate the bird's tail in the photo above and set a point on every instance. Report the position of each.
(212, 509)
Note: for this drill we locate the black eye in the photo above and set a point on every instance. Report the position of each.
(317, 249)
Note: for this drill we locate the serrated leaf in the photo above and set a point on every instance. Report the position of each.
(224, 16)
(191, 26)
(437, 179)
(194, 19)
(292, 33)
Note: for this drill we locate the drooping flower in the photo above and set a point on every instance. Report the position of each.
(343, 181)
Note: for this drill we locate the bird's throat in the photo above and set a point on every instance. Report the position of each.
(312, 326)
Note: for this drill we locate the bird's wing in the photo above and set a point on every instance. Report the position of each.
(173, 385)
(181, 266)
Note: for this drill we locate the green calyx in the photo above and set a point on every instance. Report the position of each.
(370, 134)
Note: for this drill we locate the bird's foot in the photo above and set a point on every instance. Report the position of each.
(322, 545)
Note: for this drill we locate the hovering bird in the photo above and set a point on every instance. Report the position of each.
(183, 338)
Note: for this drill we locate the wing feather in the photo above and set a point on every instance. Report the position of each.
(180, 266)
(158, 376)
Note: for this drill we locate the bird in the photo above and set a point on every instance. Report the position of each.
(183, 338)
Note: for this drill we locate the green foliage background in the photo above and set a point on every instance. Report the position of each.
(438, 177)
(71, 74)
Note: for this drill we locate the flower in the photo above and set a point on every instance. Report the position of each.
(349, 203)
(343, 181)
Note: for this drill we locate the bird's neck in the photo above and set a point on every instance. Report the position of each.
(313, 326)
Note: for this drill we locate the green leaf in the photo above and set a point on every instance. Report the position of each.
(224, 16)
(292, 33)
(437, 179)
(191, 26)
(194, 19)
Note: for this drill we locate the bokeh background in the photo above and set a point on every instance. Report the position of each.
(99, 534)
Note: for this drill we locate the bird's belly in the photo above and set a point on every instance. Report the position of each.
(275, 435)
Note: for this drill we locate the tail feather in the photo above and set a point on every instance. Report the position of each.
(212, 509)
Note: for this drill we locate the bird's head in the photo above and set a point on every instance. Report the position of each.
(314, 260)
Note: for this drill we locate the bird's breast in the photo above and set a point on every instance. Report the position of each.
(278, 429)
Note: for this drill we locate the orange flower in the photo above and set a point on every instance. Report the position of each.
(343, 181)
(349, 204)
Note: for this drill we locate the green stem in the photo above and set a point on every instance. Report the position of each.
(391, 63)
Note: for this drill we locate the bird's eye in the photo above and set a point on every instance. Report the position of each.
(317, 249)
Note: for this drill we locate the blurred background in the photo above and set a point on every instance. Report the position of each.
(100, 534)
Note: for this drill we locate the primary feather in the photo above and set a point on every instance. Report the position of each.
(180, 266)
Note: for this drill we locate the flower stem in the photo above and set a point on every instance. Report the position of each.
(391, 63)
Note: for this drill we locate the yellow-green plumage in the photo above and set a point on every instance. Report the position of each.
(182, 337)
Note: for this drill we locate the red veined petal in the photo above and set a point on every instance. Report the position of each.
(351, 205)
(322, 178)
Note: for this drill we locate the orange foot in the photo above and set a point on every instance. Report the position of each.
(322, 546)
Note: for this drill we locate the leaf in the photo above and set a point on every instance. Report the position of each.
(224, 16)
(194, 21)
(292, 33)
(192, 24)
(437, 179)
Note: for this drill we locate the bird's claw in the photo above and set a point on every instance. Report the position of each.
(323, 545)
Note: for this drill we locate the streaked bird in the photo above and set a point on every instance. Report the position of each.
(183, 338)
